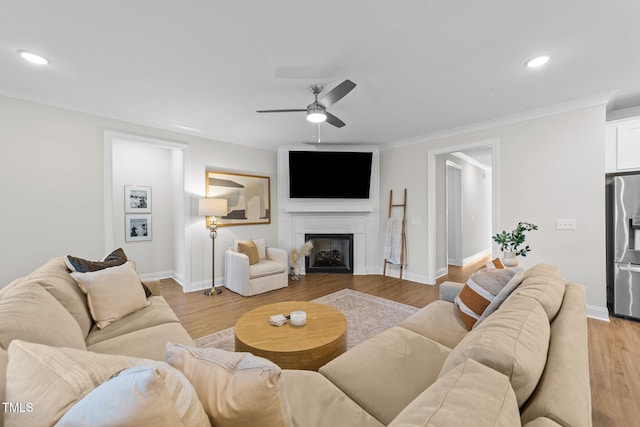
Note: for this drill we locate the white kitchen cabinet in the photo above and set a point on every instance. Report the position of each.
(623, 145)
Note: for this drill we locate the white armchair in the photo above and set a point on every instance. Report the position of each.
(269, 273)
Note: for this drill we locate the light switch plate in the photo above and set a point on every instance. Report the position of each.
(565, 224)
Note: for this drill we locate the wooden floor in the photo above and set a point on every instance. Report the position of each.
(614, 347)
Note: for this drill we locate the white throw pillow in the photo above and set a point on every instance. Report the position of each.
(56, 379)
(134, 397)
(112, 293)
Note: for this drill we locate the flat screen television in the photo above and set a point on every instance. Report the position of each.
(329, 174)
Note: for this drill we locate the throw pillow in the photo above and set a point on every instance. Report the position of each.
(58, 380)
(250, 249)
(481, 288)
(260, 244)
(115, 258)
(496, 263)
(502, 295)
(112, 293)
(134, 397)
(80, 265)
(236, 389)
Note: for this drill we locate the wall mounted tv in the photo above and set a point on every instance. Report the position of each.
(329, 174)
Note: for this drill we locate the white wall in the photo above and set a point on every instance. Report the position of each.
(146, 165)
(550, 167)
(52, 190)
(225, 158)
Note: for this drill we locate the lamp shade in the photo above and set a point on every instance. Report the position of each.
(212, 207)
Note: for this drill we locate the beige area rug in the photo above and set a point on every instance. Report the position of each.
(367, 315)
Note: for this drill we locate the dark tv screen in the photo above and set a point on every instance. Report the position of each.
(329, 174)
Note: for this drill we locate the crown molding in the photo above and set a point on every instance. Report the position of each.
(600, 99)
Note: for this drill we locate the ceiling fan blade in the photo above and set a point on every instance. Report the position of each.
(281, 111)
(333, 120)
(337, 93)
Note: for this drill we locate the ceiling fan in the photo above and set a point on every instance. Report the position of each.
(317, 110)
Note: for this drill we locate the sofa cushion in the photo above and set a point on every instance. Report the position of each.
(543, 422)
(438, 321)
(148, 343)
(115, 258)
(514, 341)
(236, 389)
(4, 361)
(112, 293)
(386, 372)
(249, 249)
(479, 291)
(156, 313)
(54, 277)
(544, 283)
(469, 394)
(310, 395)
(563, 392)
(30, 313)
(264, 268)
(55, 379)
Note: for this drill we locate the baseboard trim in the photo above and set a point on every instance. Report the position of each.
(598, 313)
(158, 275)
(202, 285)
(417, 278)
(476, 256)
(442, 272)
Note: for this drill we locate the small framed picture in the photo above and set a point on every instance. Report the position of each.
(137, 228)
(137, 199)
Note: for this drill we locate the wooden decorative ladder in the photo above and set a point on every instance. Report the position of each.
(402, 205)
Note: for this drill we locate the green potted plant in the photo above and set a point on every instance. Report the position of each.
(510, 243)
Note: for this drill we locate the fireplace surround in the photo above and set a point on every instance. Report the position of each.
(357, 217)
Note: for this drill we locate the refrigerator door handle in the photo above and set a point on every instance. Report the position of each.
(631, 268)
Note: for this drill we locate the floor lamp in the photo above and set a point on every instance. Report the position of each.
(212, 208)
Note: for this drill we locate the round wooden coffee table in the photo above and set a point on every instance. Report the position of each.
(321, 339)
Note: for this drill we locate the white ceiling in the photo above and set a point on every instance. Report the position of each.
(422, 67)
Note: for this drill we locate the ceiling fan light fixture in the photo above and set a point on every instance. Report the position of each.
(316, 113)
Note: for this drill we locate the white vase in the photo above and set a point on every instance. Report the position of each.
(509, 259)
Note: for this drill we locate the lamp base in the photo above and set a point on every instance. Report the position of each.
(213, 291)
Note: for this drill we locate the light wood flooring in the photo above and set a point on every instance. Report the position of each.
(614, 347)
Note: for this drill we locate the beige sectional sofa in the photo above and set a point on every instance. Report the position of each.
(525, 364)
(48, 307)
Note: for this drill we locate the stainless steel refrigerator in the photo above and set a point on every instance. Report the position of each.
(624, 249)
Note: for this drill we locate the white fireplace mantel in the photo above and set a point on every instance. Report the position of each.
(327, 208)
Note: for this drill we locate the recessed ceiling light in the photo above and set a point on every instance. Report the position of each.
(538, 61)
(33, 57)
